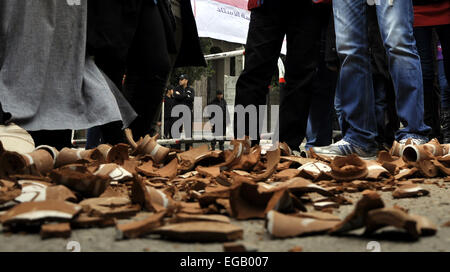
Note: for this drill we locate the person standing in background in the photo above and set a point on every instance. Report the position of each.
(217, 132)
(433, 16)
(169, 103)
(445, 96)
(321, 113)
(144, 40)
(270, 22)
(49, 85)
(184, 95)
(355, 84)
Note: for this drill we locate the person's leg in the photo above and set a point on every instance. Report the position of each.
(444, 69)
(213, 142)
(302, 63)
(189, 145)
(113, 67)
(443, 84)
(355, 88)
(147, 69)
(224, 134)
(262, 50)
(396, 26)
(423, 36)
(444, 37)
(382, 82)
(320, 120)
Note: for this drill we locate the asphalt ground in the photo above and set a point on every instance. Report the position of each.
(436, 207)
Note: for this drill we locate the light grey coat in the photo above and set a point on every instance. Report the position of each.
(46, 80)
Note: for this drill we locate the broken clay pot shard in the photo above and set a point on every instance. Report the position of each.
(424, 226)
(233, 157)
(81, 180)
(315, 170)
(248, 161)
(61, 230)
(348, 168)
(273, 158)
(397, 149)
(118, 207)
(152, 199)
(33, 191)
(357, 219)
(283, 226)
(118, 154)
(302, 186)
(114, 171)
(148, 146)
(248, 200)
(234, 247)
(409, 190)
(85, 221)
(376, 171)
(139, 228)
(379, 218)
(416, 153)
(318, 215)
(37, 162)
(188, 160)
(434, 147)
(9, 190)
(34, 212)
(69, 156)
(184, 217)
(201, 232)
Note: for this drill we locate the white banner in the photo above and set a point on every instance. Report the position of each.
(226, 20)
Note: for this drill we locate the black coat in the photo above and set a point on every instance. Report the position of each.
(184, 96)
(113, 23)
(223, 105)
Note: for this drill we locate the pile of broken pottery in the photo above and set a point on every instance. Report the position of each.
(191, 196)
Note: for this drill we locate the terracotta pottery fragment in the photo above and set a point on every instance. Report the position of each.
(32, 212)
(412, 190)
(148, 146)
(379, 218)
(348, 168)
(139, 228)
(283, 226)
(201, 232)
(60, 230)
(357, 219)
(81, 180)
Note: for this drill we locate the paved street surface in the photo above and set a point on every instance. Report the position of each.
(436, 207)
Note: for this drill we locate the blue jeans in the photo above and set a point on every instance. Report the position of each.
(355, 87)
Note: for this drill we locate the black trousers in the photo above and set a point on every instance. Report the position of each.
(269, 24)
(147, 68)
(426, 47)
(217, 134)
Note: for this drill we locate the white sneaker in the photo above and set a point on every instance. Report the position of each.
(344, 148)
